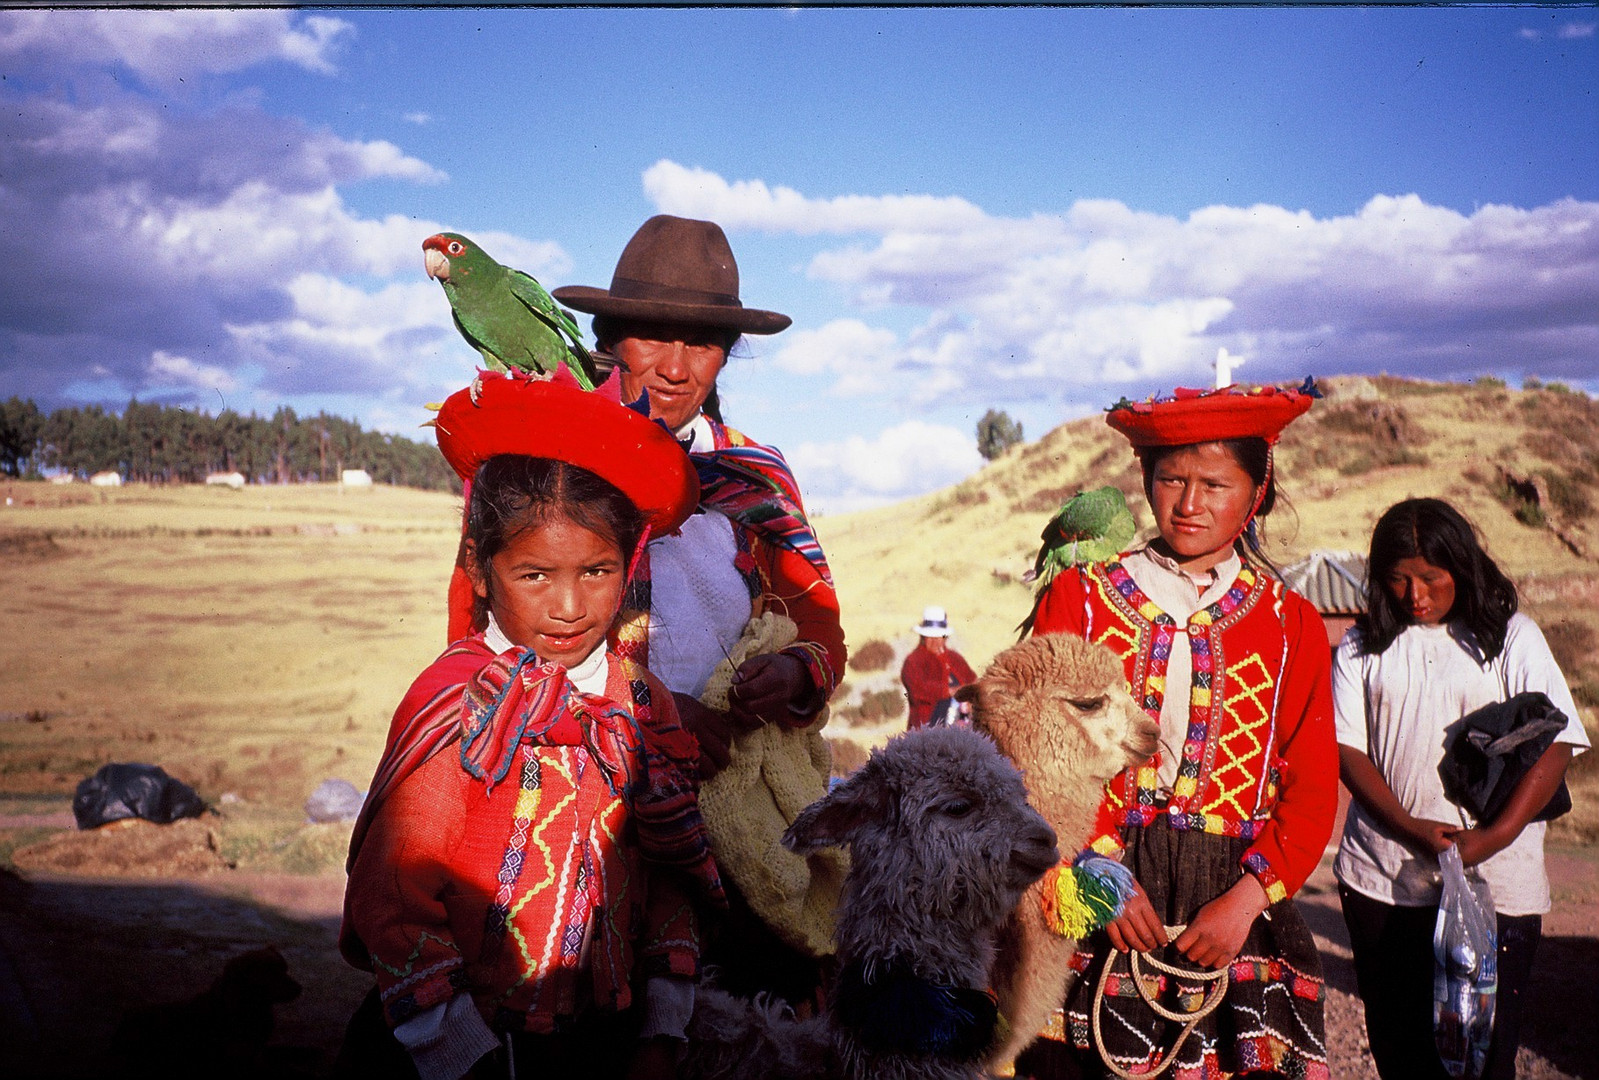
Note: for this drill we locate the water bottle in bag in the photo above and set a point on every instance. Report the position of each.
(1465, 980)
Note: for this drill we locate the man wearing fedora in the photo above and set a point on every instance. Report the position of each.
(670, 317)
(933, 671)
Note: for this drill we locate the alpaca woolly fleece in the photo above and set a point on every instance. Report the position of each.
(1058, 707)
(942, 844)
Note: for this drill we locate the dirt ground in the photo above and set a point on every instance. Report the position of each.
(75, 952)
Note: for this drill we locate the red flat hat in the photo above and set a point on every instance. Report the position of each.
(558, 419)
(1198, 416)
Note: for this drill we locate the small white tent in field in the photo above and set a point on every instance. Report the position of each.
(355, 478)
(106, 479)
(234, 480)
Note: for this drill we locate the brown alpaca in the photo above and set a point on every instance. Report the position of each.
(1058, 707)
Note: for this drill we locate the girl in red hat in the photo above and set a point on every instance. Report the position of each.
(1230, 816)
(521, 875)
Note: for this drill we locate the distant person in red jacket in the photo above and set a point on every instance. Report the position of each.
(933, 672)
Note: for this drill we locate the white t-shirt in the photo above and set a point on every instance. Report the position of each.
(1396, 707)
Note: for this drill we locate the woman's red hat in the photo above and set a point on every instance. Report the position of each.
(1198, 416)
(512, 413)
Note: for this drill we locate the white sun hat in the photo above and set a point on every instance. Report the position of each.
(935, 622)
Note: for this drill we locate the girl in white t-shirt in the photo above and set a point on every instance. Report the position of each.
(1441, 638)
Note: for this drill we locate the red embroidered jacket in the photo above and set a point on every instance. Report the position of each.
(1260, 760)
(929, 677)
(531, 894)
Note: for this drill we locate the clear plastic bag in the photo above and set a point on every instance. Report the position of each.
(1465, 980)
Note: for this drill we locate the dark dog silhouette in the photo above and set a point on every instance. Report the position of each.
(220, 1032)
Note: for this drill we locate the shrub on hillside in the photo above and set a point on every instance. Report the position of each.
(875, 655)
(1572, 644)
(848, 755)
(879, 705)
(997, 433)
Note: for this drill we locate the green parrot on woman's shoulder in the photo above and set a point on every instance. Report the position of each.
(505, 314)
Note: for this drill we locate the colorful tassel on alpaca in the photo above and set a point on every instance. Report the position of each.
(1083, 897)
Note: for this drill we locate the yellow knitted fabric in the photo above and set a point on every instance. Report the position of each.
(775, 772)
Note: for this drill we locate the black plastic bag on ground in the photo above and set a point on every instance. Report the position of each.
(133, 790)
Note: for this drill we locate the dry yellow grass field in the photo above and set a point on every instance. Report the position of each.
(250, 642)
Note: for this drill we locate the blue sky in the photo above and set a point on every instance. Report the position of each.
(1038, 210)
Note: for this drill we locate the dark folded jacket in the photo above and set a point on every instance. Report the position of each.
(1491, 749)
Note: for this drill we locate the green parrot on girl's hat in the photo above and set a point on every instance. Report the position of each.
(505, 314)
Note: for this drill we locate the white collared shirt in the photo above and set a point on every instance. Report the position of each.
(1179, 594)
(588, 675)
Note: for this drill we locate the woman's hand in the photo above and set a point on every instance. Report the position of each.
(1477, 845)
(1429, 836)
(710, 729)
(764, 687)
(1218, 930)
(1137, 927)
(655, 1059)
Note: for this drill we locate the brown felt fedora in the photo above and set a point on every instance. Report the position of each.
(675, 270)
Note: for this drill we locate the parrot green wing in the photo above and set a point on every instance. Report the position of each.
(1091, 526)
(526, 288)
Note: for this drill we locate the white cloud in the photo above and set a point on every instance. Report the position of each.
(1099, 293)
(907, 459)
(221, 254)
(338, 337)
(418, 118)
(164, 47)
(751, 204)
(1571, 31)
(167, 369)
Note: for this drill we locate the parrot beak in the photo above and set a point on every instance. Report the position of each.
(438, 266)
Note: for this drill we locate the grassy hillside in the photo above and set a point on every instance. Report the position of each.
(1369, 444)
(1523, 465)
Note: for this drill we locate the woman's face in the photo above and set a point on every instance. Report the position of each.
(1201, 497)
(553, 588)
(1423, 591)
(675, 364)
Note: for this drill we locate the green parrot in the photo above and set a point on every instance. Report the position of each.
(1090, 527)
(505, 314)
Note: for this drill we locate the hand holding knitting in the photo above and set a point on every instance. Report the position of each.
(764, 688)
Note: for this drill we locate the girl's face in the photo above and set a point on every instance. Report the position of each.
(554, 588)
(1201, 497)
(1424, 592)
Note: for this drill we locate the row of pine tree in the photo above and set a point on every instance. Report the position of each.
(159, 444)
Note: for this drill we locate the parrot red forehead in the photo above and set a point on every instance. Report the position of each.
(444, 242)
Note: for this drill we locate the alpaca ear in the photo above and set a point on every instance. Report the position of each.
(832, 820)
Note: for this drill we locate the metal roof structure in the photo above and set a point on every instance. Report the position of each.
(1333, 581)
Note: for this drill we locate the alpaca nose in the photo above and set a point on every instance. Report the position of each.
(1036, 845)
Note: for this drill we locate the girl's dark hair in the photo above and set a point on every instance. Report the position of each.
(512, 493)
(609, 329)
(1432, 530)
(1254, 457)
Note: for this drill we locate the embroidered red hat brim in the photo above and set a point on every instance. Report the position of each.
(549, 419)
(1198, 416)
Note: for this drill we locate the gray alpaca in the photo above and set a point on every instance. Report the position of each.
(942, 845)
